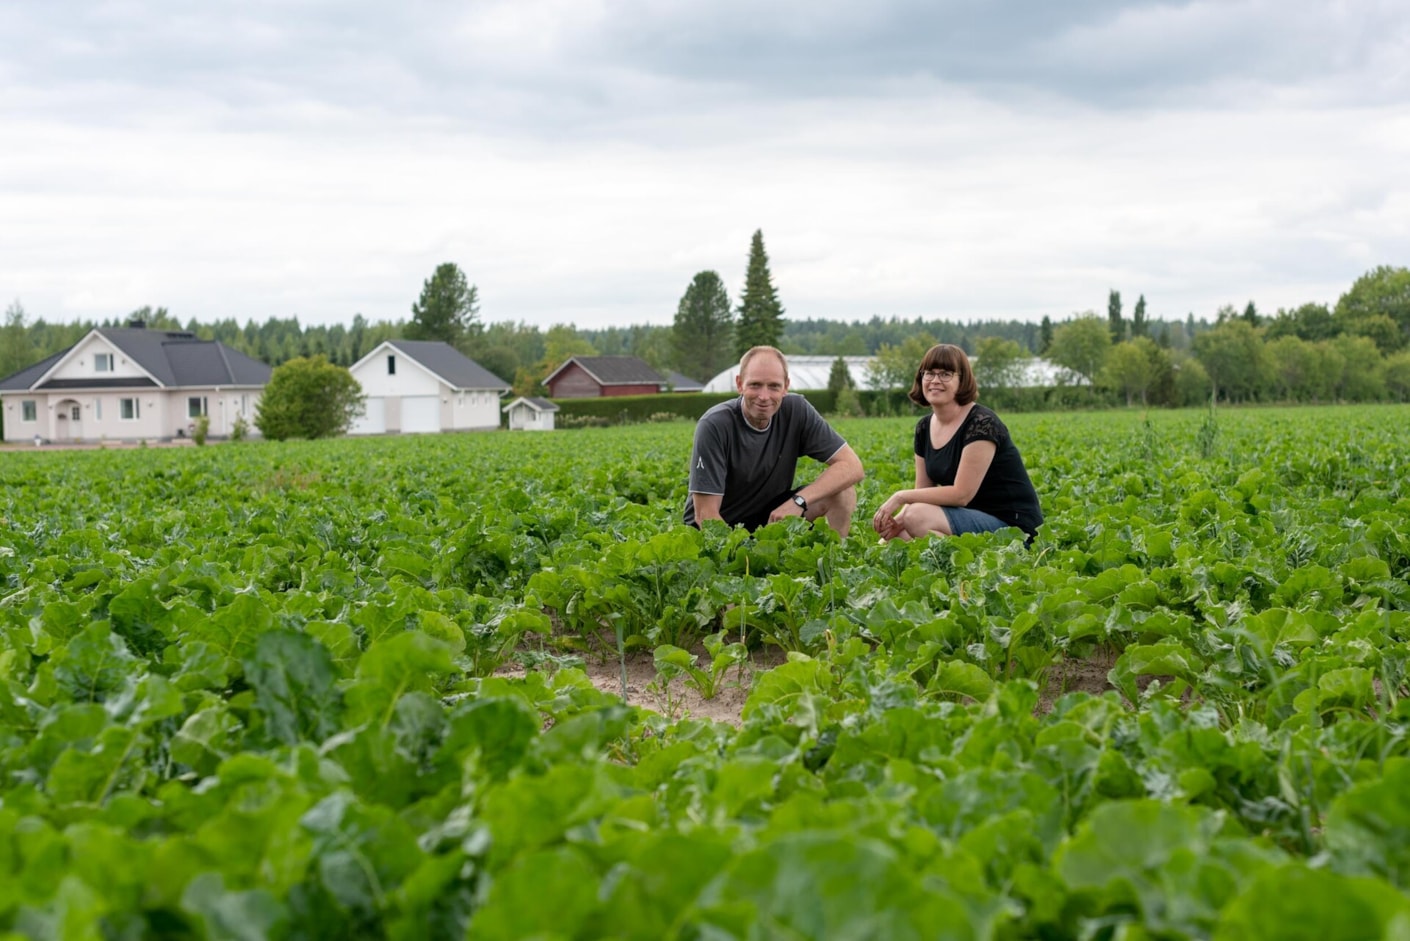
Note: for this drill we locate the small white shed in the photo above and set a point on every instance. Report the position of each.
(528, 413)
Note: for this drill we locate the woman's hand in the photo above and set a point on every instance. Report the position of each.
(884, 522)
(891, 527)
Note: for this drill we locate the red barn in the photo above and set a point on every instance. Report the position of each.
(584, 377)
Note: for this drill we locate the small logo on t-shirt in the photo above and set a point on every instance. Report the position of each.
(700, 463)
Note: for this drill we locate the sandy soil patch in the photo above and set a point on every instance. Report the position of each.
(679, 700)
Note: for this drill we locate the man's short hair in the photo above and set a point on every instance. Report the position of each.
(756, 350)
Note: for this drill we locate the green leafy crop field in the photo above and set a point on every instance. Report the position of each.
(259, 691)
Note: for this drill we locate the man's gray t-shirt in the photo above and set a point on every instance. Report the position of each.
(748, 467)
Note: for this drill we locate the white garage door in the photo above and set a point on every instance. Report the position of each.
(420, 414)
(373, 421)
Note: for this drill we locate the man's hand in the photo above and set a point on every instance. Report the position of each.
(784, 510)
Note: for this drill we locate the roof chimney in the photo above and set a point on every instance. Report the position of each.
(137, 324)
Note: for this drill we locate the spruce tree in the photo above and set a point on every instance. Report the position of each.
(838, 378)
(703, 334)
(760, 313)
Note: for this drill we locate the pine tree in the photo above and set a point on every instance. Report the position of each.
(447, 310)
(703, 334)
(760, 313)
(1045, 335)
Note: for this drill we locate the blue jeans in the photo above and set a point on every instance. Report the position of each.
(964, 520)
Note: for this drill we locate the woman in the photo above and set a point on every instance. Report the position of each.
(970, 477)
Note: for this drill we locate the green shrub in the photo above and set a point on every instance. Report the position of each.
(308, 397)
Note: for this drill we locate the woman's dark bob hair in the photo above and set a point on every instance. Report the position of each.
(950, 357)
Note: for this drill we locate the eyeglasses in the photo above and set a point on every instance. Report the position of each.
(938, 375)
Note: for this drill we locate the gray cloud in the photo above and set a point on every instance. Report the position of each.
(498, 64)
(583, 160)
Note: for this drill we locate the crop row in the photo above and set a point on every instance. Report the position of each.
(252, 691)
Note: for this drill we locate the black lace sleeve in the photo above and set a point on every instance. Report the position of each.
(985, 426)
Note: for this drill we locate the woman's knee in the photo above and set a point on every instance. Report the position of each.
(924, 520)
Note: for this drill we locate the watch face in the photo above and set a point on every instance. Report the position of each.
(798, 499)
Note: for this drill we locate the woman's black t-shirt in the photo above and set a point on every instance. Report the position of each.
(1006, 492)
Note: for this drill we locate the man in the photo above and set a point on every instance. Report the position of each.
(746, 452)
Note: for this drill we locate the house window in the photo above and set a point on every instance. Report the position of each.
(128, 410)
(391, 365)
(76, 413)
(98, 409)
(102, 362)
(29, 410)
(196, 406)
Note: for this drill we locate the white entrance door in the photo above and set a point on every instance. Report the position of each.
(70, 421)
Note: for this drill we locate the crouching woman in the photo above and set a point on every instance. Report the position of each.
(969, 474)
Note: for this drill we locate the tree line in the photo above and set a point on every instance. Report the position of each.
(1353, 350)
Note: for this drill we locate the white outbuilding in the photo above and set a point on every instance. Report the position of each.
(529, 413)
(423, 386)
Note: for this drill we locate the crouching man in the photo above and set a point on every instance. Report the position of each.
(746, 452)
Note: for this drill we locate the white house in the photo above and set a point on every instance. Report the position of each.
(130, 383)
(528, 413)
(419, 386)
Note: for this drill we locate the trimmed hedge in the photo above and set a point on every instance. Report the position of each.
(689, 406)
(630, 409)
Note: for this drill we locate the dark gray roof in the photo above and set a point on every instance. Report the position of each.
(126, 382)
(459, 370)
(174, 359)
(27, 377)
(193, 362)
(615, 370)
(680, 382)
(534, 402)
(177, 358)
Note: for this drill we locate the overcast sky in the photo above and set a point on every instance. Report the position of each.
(581, 160)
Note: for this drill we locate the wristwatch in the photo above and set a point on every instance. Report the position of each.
(802, 503)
